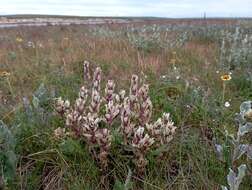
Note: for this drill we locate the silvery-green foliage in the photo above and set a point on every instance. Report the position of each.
(219, 152)
(40, 93)
(236, 41)
(104, 32)
(238, 145)
(35, 109)
(7, 154)
(234, 180)
(35, 102)
(147, 38)
(249, 152)
(236, 48)
(27, 107)
(239, 151)
(157, 36)
(244, 127)
(245, 106)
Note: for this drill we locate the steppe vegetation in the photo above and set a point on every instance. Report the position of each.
(162, 105)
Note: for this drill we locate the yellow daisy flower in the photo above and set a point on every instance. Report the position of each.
(18, 39)
(226, 77)
(4, 74)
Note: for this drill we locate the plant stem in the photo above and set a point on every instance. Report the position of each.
(223, 91)
(10, 87)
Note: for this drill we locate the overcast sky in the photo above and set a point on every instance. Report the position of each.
(159, 8)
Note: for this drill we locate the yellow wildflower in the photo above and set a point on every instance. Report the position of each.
(4, 74)
(18, 39)
(226, 77)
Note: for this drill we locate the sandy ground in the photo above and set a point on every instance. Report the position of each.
(13, 22)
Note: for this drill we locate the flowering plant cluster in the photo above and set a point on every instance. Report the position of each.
(95, 111)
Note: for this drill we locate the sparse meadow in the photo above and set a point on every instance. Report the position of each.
(159, 104)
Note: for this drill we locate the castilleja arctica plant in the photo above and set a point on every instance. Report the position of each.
(134, 111)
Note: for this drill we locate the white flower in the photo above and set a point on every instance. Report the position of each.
(30, 44)
(122, 94)
(163, 76)
(59, 132)
(227, 104)
(217, 72)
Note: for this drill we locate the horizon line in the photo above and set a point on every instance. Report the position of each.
(157, 17)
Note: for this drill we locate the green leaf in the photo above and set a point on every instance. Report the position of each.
(35, 102)
(245, 106)
(118, 185)
(162, 148)
(219, 152)
(70, 146)
(239, 151)
(7, 156)
(224, 188)
(10, 165)
(41, 91)
(249, 152)
(246, 128)
(6, 138)
(234, 180)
